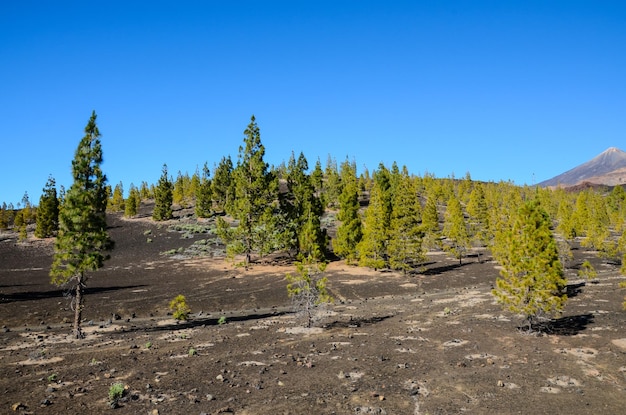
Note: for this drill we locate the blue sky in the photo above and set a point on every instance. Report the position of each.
(504, 90)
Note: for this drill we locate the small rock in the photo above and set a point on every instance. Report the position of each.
(500, 384)
(18, 406)
(210, 397)
(45, 402)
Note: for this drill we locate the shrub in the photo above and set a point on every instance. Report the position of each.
(221, 320)
(179, 307)
(192, 351)
(307, 289)
(116, 392)
(587, 271)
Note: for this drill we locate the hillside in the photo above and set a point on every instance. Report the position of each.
(392, 343)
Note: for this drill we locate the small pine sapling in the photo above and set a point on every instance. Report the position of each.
(307, 289)
(116, 393)
(179, 307)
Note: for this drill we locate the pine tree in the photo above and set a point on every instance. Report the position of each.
(23, 218)
(531, 279)
(479, 215)
(145, 192)
(204, 194)
(317, 179)
(430, 222)
(48, 211)
(180, 192)
(4, 216)
(372, 250)
(133, 202)
(163, 197)
(82, 239)
(349, 231)
(301, 211)
(405, 233)
(455, 229)
(223, 185)
(333, 183)
(116, 202)
(256, 192)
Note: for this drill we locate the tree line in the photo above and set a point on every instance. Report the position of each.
(388, 219)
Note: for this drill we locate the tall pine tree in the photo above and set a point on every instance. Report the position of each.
(256, 193)
(82, 238)
(531, 280)
(405, 233)
(349, 231)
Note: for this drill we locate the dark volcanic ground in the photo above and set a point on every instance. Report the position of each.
(429, 343)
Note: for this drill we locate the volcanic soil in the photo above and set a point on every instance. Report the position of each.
(433, 342)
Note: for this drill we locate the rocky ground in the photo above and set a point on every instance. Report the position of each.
(428, 343)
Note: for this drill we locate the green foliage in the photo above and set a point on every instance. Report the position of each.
(145, 191)
(204, 194)
(116, 393)
(192, 352)
(116, 203)
(5, 216)
(82, 238)
(587, 271)
(532, 279)
(307, 288)
(430, 222)
(479, 214)
(455, 229)
(405, 234)
(223, 185)
(334, 183)
(349, 231)
(131, 207)
(181, 192)
(301, 212)
(256, 193)
(163, 197)
(48, 211)
(221, 320)
(372, 249)
(179, 307)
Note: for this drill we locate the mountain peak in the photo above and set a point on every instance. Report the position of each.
(607, 168)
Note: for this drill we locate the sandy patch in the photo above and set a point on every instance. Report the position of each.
(564, 381)
(302, 330)
(550, 389)
(621, 343)
(580, 352)
(35, 362)
(352, 282)
(455, 343)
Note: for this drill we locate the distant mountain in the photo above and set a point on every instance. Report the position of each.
(608, 168)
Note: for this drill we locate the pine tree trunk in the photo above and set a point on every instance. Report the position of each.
(78, 312)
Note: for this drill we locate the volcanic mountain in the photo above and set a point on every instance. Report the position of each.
(607, 168)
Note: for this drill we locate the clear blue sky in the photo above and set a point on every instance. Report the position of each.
(505, 90)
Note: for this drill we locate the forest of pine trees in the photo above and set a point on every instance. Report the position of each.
(387, 218)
